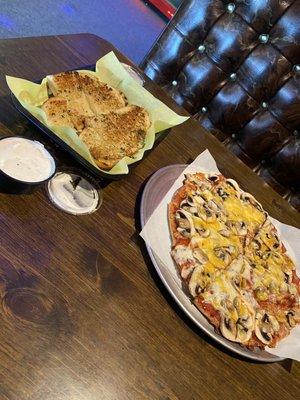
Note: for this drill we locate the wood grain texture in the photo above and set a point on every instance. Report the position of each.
(83, 314)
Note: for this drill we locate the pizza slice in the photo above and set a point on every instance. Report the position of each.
(196, 221)
(245, 214)
(275, 286)
(227, 310)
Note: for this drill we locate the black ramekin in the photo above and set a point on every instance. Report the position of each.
(11, 185)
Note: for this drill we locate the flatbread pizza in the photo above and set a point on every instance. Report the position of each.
(232, 261)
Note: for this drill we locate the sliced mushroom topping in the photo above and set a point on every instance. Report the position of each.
(248, 198)
(262, 330)
(225, 232)
(274, 323)
(185, 232)
(237, 227)
(288, 277)
(244, 328)
(193, 210)
(256, 244)
(208, 215)
(203, 232)
(207, 210)
(240, 331)
(284, 288)
(227, 304)
(233, 184)
(200, 255)
(241, 228)
(240, 273)
(229, 224)
(275, 239)
(293, 317)
(196, 283)
(181, 217)
(213, 206)
(228, 328)
(183, 223)
(290, 319)
(189, 206)
(200, 183)
(221, 192)
(266, 326)
(186, 204)
(236, 266)
(265, 255)
(199, 200)
(213, 178)
(220, 253)
(224, 253)
(230, 249)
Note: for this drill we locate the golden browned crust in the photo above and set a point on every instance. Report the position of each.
(100, 115)
(114, 135)
(63, 83)
(101, 97)
(56, 110)
(95, 96)
(68, 86)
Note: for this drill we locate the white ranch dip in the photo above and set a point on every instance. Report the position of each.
(25, 160)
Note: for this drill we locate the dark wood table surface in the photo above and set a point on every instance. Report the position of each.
(83, 314)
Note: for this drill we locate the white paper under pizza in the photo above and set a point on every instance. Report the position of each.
(156, 235)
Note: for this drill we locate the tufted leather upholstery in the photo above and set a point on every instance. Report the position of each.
(236, 67)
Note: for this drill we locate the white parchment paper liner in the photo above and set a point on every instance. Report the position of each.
(156, 235)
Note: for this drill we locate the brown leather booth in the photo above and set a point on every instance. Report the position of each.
(235, 66)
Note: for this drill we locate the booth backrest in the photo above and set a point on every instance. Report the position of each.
(235, 66)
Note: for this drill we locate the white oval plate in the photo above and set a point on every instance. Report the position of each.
(154, 191)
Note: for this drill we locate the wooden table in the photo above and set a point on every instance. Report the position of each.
(83, 314)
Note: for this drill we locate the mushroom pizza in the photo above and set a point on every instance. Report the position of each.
(232, 261)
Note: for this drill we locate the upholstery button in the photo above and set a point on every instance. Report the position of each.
(264, 104)
(232, 76)
(297, 68)
(233, 136)
(174, 83)
(201, 48)
(230, 7)
(203, 109)
(263, 38)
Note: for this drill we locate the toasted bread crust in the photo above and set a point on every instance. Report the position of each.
(114, 135)
(56, 110)
(99, 113)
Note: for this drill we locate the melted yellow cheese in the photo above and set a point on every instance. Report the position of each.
(214, 240)
(226, 299)
(269, 276)
(220, 289)
(238, 211)
(212, 225)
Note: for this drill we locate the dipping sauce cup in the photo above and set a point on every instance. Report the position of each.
(24, 165)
